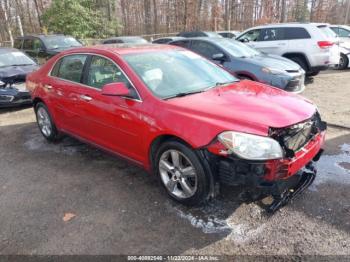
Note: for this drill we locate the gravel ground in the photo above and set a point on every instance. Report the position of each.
(118, 208)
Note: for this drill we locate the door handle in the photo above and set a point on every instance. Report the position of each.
(85, 98)
(48, 87)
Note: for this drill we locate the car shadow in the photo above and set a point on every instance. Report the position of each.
(5, 110)
(117, 204)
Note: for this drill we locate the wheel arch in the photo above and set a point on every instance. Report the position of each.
(300, 55)
(37, 100)
(157, 141)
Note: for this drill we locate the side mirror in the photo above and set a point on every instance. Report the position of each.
(244, 40)
(218, 57)
(115, 89)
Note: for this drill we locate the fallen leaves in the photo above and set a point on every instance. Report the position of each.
(68, 216)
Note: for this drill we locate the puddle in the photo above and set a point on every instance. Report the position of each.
(333, 168)
(244, 222)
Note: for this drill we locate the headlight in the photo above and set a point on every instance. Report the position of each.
(272, 71)
(251, 146)
(2, 83)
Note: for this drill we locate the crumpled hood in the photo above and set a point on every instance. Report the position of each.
(15, 74)
(246, 104)
(273, 61)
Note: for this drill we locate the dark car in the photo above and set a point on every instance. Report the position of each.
(14, 67)
(125, 40)
(166, 40)
(199, 34)
(43, 47)
(247, 63)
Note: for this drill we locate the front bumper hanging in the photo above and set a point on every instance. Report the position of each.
(306, 177)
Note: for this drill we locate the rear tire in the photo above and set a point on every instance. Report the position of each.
(343, 62)
(300, 61)
(313, 73)
(244, 77)
(181, 173)
(45, 123)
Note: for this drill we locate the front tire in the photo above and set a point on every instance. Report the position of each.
(45, 123)
(182, 174)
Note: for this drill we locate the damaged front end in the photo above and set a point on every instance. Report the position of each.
(282, 178)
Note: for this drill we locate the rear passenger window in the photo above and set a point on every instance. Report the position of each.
(102, 71)
(71, 67)
(55, 69)
(28, 44)
(296, 33)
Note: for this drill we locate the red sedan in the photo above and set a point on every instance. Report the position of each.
(181, 117)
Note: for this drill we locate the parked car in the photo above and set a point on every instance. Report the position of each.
(228, 34)
(14, 66)
(310, 45)
(343, 32)
(181, 117)
(199, 34)
(167, 40)
(125, 40)
(43, 47)
(344, 56)
(247, 63)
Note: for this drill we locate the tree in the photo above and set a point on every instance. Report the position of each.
(79, 18)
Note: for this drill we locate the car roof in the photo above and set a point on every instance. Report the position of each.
(124, 37)
(292, 24)
(171, 37)
(123, 49)
(4, 50)
(40, 36)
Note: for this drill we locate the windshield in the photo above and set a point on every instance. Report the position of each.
(55, 42)
(15, 58)
(237, 49)
(135, 40)
(171, 73)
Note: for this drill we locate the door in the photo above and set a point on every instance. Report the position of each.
(64, 88)
(110, 121)
(250, 38)
(272, 41)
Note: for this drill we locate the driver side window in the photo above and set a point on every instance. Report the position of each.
(102, 71)
(252, 35)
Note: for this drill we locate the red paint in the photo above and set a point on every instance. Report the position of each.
(128, 127)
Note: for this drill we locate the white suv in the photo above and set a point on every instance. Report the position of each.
(313, 46)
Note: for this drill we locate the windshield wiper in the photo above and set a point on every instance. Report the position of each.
(20, 64)
(185, 94)
(221, 84)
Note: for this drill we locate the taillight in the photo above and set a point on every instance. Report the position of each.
(325, 44)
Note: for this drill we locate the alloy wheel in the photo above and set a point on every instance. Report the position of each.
(178, 174)
(44, 121)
